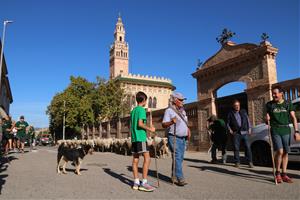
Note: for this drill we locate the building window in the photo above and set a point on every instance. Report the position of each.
(150, 102)
(154, 102)
(133, 101)
(120, 38)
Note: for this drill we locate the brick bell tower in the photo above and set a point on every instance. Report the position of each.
(119, 52)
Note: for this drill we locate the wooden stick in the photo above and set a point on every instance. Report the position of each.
(272, 152)
(156, 168)
(174, 151)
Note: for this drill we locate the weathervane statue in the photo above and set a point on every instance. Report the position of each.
(264, 37)
(225, 36)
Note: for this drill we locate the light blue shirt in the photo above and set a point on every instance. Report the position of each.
(181, 127)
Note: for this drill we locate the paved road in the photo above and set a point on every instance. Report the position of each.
(106, 175)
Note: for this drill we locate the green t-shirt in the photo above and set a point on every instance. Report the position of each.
(6, 125)
(280, 117)
(138, 134)
(23, 125)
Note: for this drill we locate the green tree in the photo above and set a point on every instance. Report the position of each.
(87, 104)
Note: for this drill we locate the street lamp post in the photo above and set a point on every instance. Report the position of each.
(64, 120)
(2, 48)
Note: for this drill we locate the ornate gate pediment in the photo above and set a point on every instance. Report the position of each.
(229, 51)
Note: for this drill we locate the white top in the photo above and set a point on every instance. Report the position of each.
(181, 127)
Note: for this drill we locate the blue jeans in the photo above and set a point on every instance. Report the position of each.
(179, 155)
(236, 142)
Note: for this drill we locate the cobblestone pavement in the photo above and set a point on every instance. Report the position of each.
(32, 175)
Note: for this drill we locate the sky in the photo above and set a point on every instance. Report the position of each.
(50, 40)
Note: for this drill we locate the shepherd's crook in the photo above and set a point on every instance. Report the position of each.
(154, 145)
(272, 152)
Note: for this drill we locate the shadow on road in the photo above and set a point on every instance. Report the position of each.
(73, 170)
(152, 173)
(4, 163)
(270, 173)
(121, 177)
(252, 177)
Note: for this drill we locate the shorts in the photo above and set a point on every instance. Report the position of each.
(21, 138)
(281, 142)
(139, 147)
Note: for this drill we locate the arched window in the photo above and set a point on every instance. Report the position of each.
(120, 38)
(154, 102)
(121, 53)
(133, 100)
(150, 102)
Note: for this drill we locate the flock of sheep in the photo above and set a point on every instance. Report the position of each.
(121, 146)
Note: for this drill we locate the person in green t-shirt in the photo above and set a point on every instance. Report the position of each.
(279, 115)
(21, 126)
(139, 142)
(218, 136)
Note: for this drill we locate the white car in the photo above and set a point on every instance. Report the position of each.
(260, 146)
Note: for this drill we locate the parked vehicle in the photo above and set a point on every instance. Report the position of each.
(45, 139)
(260, 146)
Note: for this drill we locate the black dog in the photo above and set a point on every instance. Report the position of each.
(66, 153)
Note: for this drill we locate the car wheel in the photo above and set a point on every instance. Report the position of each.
(261, 153)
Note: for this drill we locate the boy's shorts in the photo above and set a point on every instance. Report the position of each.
(281, 142)
(139, 147)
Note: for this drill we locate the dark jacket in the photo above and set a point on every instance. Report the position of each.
(232, 122)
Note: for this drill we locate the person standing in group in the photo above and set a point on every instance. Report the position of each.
(218, 135)
(14, 135)
(176, 123)
(139, 130)
(6, 129)
(31, 137)
(239, 126)
(21, 134)
(279, 115)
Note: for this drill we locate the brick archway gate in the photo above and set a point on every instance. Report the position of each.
(252, 64)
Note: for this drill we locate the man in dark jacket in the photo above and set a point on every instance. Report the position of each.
(239, 126)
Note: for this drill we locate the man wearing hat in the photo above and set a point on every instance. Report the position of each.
(218, 135)
(21, 134)
(176, 123)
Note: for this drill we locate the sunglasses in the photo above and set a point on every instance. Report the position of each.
(180, 99)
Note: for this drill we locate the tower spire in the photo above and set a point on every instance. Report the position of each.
(119, 51)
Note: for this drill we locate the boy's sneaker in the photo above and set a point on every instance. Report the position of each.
(135, 186)
(286, 179)
(278, 178)
(146, 187)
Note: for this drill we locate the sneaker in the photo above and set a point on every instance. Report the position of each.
(286, 179)
(135, 186)
(278, 178)
(237, 165)
(146, 187)
(251, 165)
